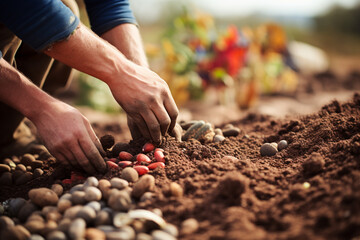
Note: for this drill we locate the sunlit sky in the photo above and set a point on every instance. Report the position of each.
(149, 10)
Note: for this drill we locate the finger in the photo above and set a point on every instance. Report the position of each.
(95, 139)
(163, 118)
(153, 126)
(134, 130)
(172, 110)
(92, 154)
(82, 159)
(59, 157)
(142, 127)
(70, 157)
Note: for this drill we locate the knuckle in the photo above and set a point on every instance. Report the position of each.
(174, 115)
(154, 127)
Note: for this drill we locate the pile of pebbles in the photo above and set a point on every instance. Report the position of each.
(20, 170)
(204, 132)
(270, 149)
(95, 209)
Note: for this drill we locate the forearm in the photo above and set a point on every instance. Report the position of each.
(20, 93)
(126, 38)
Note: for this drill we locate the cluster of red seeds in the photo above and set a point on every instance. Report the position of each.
(142, 164)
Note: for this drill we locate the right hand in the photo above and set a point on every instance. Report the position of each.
(69, 137)
(147, 100)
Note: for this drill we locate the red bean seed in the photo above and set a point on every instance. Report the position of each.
(125, 156)
(148, 147)
(156, 165)
(141, 170)
(159, 156)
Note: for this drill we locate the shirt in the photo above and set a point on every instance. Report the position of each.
(40, 23)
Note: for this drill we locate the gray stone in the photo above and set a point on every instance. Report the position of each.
(218, 138)
(282, 145)
(268, 150)
(87, 213)
(91, 182)
(78, 187)
(94, 205)
(92, 194)
(15, 205)
(78, 198)
(119, 201)
(119, 183)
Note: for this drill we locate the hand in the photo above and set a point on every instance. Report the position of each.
(147, 100)
(68, 136)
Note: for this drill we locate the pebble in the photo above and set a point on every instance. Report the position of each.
(148, 147)
(159, 156)
(66, 196)
(155, 165)
(125, 232)
(91, 182)
(268, 150)
(141, 170)
(104, 186)
(24, 178)
(171, 229)
(6, 222)
(143, 236)
(43, 197)
(16, 174)
(103, 218)
(78, 187)
(124, 164)
(78, 197)
(119, 183)
(14, 206)
(38, 172)
(125, 156)
(140, 158)
(176, 190)
(56, 235)
(218, 138)
(87, 213)
(4, 168)
(37, 164)
(282, 145)
(92, 194)
(161, 235)
(94, 205)
(147, 196)
(119, 200)
(26, 210)
(94, 234)
(36, 237)
(231, 132)
(50, 226)
(6, 179)
(17, 232)
(27, 159)
(145, 184)
(9, 162)
(274, 144)
(58, 189)
(228, 126)
(189, 226)
(77, 229)
(72, 211)
(2, 210)
(158, 212)
(121, 220)
(64, 225)
(130, 174)
(187, 125)
(35, 226)
(218, 131)
(314, 164)
(28, 168)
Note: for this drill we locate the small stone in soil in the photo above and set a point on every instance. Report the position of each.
(107, 141)
(189, 226)
(119, 200)
(282, 145)
(268, 150)
(231, 132)
(161, 235)
(146, 183)
(218, 138)
(91, 181)
(92, 194)
(130, 174)
(58, 189)
(118, 183)
(176, 190)
(94, 234)
(77, 229)
(56, 235)
(78, 197)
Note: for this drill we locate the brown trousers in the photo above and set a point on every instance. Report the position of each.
(41, 69)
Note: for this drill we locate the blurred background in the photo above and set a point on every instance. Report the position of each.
(224, 58)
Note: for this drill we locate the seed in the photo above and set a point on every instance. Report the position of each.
(282, 145)
(141, 170)
(9, 162)
(76, 176)
(114, 160)
(159, 149)
(130, 174)
(142, 158)
(124, 164)
(268, 150)
(147, 215)
(148, 147)
(119, 183)
(112, 165)
(145, 184)
(125, 156)
(159, 156)
(21, 167)
(155, 165)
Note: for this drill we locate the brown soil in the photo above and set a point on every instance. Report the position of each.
(235, 193)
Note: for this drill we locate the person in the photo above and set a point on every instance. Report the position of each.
(43, 40)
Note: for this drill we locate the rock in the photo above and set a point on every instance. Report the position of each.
(91, 182)
(77, 229)
(6, 179)
(314, 164)
(38, 172)
(72, 212)
(87, 213)
(50, 226)
(187, 125)
(161, 235)
(21, 167)
(78, 187)
(282, 145)
(43, 197)
(27, 159)
(53, 215)
(189, 226)
(119, 183)
(63, 205)
(119, 200)
(125, 232)
(275, 145)
(130, 175)
(107, 141)
(218, 131)
(146, 183)
(28, 168)
(9, 162)
(56, 235)
(16, 174)
(24, 178)
(218, 138)
(17, 232)
(147, 196)
(92, 194)
(94, 205)
(66, 196)
(268, 150)
(35, 226)
(78, 197)
(64, 225)
(4, 168)
(26, 210)
(176, 190)
(36, 237)
(231, 132)
(14, 206)
(103, 218)
(171, 229)
(121, 220)
(94, 234)
(6, 222)
(104, 186)
(58, 189)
